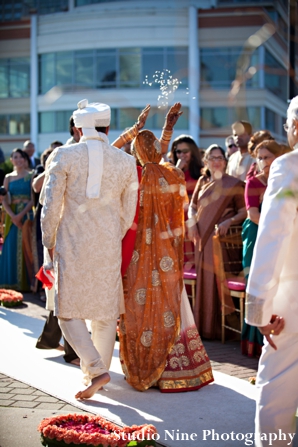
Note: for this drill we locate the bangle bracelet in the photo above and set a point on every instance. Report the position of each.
(130, 134)
(166, 134)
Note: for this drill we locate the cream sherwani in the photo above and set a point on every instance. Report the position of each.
(87, 235)
(273, 289)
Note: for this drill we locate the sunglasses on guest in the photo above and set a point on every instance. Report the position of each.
(232, 145)
(182, 151)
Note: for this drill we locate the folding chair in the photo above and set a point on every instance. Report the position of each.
(190, 274)
(227, 257)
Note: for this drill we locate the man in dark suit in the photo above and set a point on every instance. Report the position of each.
(29, 148)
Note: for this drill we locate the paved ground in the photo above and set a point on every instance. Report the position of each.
(26, 406)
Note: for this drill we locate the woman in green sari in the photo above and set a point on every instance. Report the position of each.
(265, 153)
(18, 205)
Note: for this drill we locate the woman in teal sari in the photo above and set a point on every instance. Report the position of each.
(265, 153)
(18, 206)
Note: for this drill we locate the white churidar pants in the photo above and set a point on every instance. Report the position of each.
(95, 352)
(278, 391)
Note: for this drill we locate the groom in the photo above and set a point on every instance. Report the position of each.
(90, 197)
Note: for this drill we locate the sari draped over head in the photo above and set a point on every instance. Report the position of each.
(154, 280)
(217, 201)
(215, 198)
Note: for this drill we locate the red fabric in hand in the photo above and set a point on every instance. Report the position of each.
(128, 242)
(45, 278)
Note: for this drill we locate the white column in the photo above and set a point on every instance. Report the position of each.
(33, 82)
(193, 73)
(71, 5)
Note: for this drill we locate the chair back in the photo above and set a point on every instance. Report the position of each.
(228, 252)
(227, 261)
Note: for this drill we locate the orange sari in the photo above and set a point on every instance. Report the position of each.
(154, 281)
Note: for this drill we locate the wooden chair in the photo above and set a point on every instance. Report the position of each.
(227, 257)
(190, 274)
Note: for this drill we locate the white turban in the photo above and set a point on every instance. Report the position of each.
(92, 115)
(87, 117)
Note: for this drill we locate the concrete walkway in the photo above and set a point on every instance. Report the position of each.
(22, 407)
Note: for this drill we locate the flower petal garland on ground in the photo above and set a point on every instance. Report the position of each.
(86, 430)
(10, 298)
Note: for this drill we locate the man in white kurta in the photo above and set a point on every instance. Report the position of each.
(240, 161)
(272, 296)
(89, 203)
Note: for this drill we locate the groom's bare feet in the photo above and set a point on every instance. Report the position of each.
(96, 384)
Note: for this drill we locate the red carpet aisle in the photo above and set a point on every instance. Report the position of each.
(225, 406)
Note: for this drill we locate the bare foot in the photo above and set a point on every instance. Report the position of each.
(76, 362)
(60, 348)
(96, 383)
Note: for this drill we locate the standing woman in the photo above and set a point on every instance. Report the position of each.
(18, 206)
(186, 155)
(265, 152)
(217, 200)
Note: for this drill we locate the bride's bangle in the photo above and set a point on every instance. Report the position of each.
(130, 134)
(166, 134)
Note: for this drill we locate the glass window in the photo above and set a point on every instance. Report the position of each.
(92, 2)
(84, 68)
(212, 118)
(62, 120)
(19, 78)
(219, 66)
(14, 78)
(46, 72)
(64, 64)
(3, 124)
(153, 63)
(47, 122)
(106, 69)
(217, 117)
(114, 120)
(273, 121)
(128, 116)
(19, 124)
(130, 67)
(183, 121)
(275, 76)
(177, 63)
(112, 68)
(4, 84)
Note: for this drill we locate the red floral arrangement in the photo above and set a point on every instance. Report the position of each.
(86, 430)
(10, 298)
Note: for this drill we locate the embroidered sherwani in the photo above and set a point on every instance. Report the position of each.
(272, 289)
(87, 233)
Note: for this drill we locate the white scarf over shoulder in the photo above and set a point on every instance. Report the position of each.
(87, 117)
